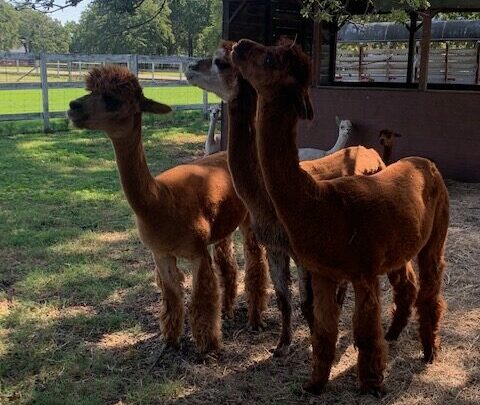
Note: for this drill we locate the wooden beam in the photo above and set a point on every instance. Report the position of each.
(411, 46)
(425, 49)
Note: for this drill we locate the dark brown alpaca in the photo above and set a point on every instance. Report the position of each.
(178, 213)
(221, 77)
(369, 224)
(386, 139)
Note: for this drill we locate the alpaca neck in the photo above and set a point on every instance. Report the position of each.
(341, 142)
(291, 189)
(387, 153)
(139, 186)
(242, 150)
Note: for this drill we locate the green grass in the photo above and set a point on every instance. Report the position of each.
(30, 101)
(75, 282)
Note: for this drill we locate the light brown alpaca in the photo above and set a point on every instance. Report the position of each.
(221, 77)
(351, 228)
(386, 138)
(178, 213)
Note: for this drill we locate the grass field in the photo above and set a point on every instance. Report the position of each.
(30, 101)
(79, 309)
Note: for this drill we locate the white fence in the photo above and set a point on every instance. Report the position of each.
(447, 65)
(47, 72)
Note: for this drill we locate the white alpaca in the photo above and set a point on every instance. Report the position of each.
(344, 130)
(213, 143)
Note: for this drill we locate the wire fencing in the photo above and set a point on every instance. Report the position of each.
(40, 86)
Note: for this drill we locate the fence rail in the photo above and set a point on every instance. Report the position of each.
(447, 65)
(48, 72)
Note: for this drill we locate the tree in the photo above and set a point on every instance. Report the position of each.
(105, 28)
(41, 33)
(9, 23)
(210, 36)
(328, 10)
(189, 19)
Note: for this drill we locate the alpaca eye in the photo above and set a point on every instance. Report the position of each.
(269, 61)
(221, 65)
(112, 103)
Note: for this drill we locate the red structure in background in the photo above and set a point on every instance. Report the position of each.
(441, 122)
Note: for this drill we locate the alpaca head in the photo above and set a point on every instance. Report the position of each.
(115, 98)
(344, 127)
(386, 137)
(216, 74)
(276, 72)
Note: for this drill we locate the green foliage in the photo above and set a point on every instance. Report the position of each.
(9, 23)
(40, 33)
(189, 19)
(104, 28)
(329, 10)
(210, 36)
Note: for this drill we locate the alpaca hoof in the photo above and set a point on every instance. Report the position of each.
(228, 314)
(165, 349)
(429, 356)
(281, 350)
(391, 336)
(378, 391)
(313, 387)
(256, 326)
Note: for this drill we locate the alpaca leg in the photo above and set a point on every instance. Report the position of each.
(205, 305)
(169, 279)
(256, 276)
(430, 303)
(368, 336)
(404, 284)
(279, 265)
(224, 257)
(306, 295)
(325, 331)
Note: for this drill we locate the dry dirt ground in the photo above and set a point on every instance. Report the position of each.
(246, 372)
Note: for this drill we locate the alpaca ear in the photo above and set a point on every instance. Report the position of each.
(303, 106)
(337, 120)
(151, 106)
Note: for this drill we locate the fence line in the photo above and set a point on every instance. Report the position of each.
(75, 66)
(449, 65)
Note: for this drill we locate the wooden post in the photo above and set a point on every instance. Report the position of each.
(44, 81)
(133, 64)
(153, 71)
(332, 62)
(446, 63)
(69, 67)
(79, 70)
(18, 65)
(360, 63)
(58, 68)
(425, 49)
(205, 103)
(477, 73)
(411, 47)
(180, 70)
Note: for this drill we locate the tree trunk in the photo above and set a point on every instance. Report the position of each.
(190, 45)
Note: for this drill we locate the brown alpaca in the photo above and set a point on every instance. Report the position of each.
(178, 213)
(386, 139)
(351, 228)
(221, 77)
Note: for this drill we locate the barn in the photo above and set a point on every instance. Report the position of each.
(437, 116)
